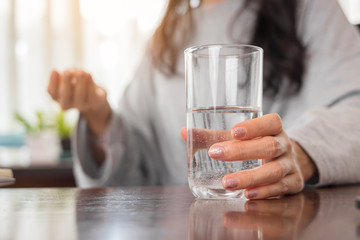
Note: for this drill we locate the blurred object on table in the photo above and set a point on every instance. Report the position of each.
(13, 151)
(6, 177)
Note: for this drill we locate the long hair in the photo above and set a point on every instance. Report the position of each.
(275, 31)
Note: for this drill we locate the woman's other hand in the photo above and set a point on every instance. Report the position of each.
(76, 89)
(286, 166)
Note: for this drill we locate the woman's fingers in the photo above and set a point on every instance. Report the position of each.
(271, 172)
(53, 86)
(268, 125)
(81, 90)
(290, 184)
(75, 89)
(183, 133)
(203, 138)
(96, 94)
(66, 90)
(261, 148)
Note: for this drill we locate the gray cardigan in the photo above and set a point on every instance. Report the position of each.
(143, 143)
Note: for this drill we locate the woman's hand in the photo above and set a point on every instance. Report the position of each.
(76, 89)
(286, 166)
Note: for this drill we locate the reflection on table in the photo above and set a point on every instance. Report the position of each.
(281, 218)
(173, 213)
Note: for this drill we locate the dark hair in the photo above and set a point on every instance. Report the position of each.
(275, 31)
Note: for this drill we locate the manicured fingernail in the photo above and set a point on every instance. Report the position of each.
(231, 182)
(239, 132)
(216, 152)
(252, 193)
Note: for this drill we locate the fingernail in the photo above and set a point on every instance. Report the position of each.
(216, 152)
(252, 193)
(239, 132)
(231, 182)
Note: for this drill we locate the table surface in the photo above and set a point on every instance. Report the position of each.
(173, 213)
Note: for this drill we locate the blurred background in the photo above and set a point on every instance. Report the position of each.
(105, 37)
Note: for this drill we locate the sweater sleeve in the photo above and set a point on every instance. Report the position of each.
(329, 128)
(127, 141)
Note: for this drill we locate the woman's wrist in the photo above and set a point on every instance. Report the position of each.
(307, 166)
(97, 145)
(99, 119)
(97, 124)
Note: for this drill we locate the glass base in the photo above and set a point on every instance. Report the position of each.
(216, 193)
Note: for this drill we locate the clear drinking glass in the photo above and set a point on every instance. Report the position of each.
(223, 88)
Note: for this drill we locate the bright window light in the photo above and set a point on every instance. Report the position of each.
(352, 10)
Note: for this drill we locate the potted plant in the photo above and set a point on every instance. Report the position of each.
(41, 139)
(64, 130)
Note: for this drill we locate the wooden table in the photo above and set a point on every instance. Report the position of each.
(172, 213)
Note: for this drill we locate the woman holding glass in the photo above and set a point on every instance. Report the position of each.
(311, 82)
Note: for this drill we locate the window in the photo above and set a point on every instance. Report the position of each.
(105, 37)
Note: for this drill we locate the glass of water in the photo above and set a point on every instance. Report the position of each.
(223, 88)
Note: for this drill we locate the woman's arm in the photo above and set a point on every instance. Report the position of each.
(126, 144)
(330, 135)
(322, 137)
(76, 89)
(328, 106)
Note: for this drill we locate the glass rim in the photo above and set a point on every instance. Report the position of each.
(193, 50)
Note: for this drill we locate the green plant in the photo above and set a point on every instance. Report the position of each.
(35, 128)
(63, 128)
(57, 123)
